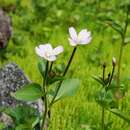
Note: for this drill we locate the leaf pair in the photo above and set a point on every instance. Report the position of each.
(33, 91)
(106, 99)
(101, 81)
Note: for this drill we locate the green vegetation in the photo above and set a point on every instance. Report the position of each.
(41, 21)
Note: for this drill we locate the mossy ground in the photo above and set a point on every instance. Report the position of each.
(81, 111)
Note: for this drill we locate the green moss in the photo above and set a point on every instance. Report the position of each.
(80, 111)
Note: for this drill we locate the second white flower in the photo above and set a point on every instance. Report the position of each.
(83, 37)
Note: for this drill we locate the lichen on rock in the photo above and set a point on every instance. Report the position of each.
(13, 78)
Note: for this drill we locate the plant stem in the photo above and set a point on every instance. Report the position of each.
(119, 63)
(44, 99)
(103, 118)
(66, 69)
(104, 67)
(113, 69)
(51, 66)
(121, 49)
(103, 111)
(69, 62)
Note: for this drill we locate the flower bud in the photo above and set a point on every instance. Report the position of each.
(104, 65)
(113, 61)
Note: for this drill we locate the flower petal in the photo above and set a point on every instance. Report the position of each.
(72, 43)
(51, 58)
(47, 52)
(84, 37)
(58, 50)
(87, 41)
(39, 52)
(73, 34)
(46, 47)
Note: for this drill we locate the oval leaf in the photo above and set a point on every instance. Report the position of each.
(68, 88)
(30, 92)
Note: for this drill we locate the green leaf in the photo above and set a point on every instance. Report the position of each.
(98, 79)
(59, 68)
(127, 40)
(2, 126)
(42, 66)
(22, 127)
(106, 99)
(55, 79)
(23, 115)
(115, 25)
(68, 88)
(120, 114)
(30, 92)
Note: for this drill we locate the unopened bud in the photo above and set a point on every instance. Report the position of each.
(113, 61)
(104, 65)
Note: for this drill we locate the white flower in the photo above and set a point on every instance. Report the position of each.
(84, 37)
(47, 52)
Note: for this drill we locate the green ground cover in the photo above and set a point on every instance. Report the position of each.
(30, 28)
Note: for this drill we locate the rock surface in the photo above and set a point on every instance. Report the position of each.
(12, 78)
(5, 29)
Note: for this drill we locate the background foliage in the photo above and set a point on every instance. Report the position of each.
(37, 21)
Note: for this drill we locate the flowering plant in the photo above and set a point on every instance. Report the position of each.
(64, 86)
(106, 95)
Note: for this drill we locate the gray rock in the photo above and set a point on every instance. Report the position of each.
(5, 29)
(13, 78)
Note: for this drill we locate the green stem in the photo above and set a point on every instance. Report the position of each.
(103, 113)
(119, 63)
(121, 50)
(66, 69)
(113, 69)
(70, 60)
(104, 67)
(44, 99)
(51, 66)
(103, 118)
